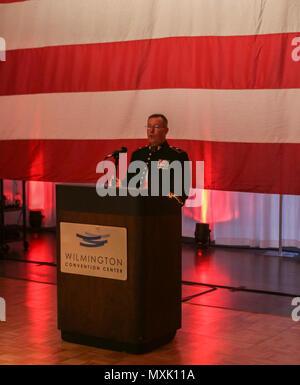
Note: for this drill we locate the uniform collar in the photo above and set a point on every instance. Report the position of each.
(157, 148)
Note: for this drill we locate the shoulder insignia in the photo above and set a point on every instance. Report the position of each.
(179, 150)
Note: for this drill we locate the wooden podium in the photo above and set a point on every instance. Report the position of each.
(139, 311)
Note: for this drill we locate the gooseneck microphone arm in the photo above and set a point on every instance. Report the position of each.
(116, 153)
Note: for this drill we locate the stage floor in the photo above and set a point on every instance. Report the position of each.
(243, 279)
(236, 310)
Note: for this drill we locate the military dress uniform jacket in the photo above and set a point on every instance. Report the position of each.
(164, 155)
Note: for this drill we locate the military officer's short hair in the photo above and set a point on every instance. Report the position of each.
(165, 120)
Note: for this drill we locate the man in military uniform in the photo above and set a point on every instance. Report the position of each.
(158, 150)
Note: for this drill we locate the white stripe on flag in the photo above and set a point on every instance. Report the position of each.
(262, 116)
(40, 23)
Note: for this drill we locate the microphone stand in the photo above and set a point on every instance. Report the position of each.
(116, 159)
(116, 155)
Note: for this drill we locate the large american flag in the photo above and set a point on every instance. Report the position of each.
(81, 77)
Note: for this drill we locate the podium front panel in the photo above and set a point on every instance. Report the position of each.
(144, 309)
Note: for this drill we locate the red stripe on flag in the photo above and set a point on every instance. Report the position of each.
(250, 167)
(231, 62)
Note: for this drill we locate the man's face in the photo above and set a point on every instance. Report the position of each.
(156, 132)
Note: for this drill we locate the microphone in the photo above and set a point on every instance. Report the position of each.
(116, 153)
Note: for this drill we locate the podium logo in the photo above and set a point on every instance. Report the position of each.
(2, 310)
(92, 240)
